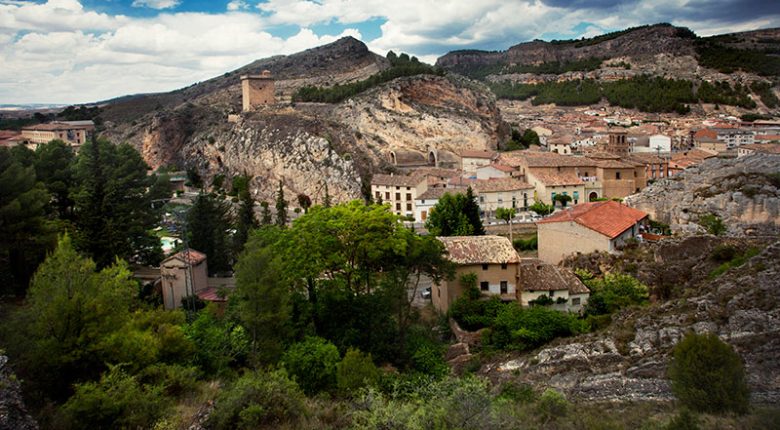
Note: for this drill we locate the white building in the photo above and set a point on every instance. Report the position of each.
(473, 159)
(399, 191)
(494, 170)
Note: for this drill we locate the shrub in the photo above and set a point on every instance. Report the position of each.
(118, 400)
(429, 360)
(259, 399)
(613, 292)
(684, 420)
(708, 375)
(526, 244)
(524, 329)
(723, 253)
(713, 224)
(356, 371)
(736, 261)
(552, 405)
(543, 300)
(312, 363)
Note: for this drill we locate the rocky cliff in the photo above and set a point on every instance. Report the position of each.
(629, 359)
(306, 145)
(743, 192)
(13, 413)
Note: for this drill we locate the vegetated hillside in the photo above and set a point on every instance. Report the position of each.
(306, 145)
(725, 286)
(744, 193)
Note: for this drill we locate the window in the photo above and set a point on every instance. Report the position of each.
(398, 206)
(575, 301)
(552, 293)
(503, 266)
(424, 215)
(378, 195)
(387, 196)
(617, 175)
(484, 286)
(553, 197)
(482, 199)
(504, 287)
(408, 206)
(397, 188)
(398, 196)
(408, 196)
(408, 188)
(484, 266)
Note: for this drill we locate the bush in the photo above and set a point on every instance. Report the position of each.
(685, 420)
(552, 405)
(356, 371)
(259, 399)
(474, 314)
(613, 292)
(524, 329)
(312, 363)
(723, 253)
(708, 375)
(118, 400)
(713, 224)
(531, 244)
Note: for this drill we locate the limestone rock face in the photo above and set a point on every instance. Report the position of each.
(629, 360)
(743, 192)
(13, 412)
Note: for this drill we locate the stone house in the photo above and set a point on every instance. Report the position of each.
(75, 133)
(585, 228)
(503, 193)
(399, 191)
(561, 285)
(473, 159)
(494, 171)
(183, 274)
(427, 200)
(491, 258)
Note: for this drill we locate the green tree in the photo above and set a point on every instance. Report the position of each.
(455, 215)
(541, 209)
(114, 212)
(312, 363)
(708, 375)
(219, 342)
(326, 199)
(265, 215)
(23, 229)
(281, 207)
(71, 311)
(245, 220)
(54, 166)
(356, 370)
(263, 301)
(613, 292)
(506, 214)
(563, 199)
(304, 202)
(208, 223)
(713, 224)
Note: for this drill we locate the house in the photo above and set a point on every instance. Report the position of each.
(491, 258)
(9, 138)
(75, 133)
(585, 228)
(758, 148)
(682, 160)
(427, 200)
(472, 159)
(547, 185)
(657, 143)
(400, 191)
(503, 193)
(494, 170)
(537, 278)
(655, 167)
(183, 274)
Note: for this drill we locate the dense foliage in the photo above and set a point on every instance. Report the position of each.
(612, 292)
(208, 223)
(455, 215)
(708, 375)
(768, 97)
(400, 66)
(729, 60)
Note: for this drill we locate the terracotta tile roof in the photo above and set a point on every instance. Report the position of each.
(479, 249)
(542, 159)
(211, 294)
(436, 193)
(609, 218)
(476, 153)
(556, 179)
(190, 256)
(764, 148)
(706, 133)
(536, 275)
(644, 158)
(767, 137)
(501, 167)
(397, 180)
(697, 155)
(500, 184)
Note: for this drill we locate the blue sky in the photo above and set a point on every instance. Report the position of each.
(77, 51)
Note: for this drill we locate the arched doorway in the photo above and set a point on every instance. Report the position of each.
(432, 161)
(593, 196)
(392, 158)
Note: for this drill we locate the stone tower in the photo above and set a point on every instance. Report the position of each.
(257, 90)
(618, 144)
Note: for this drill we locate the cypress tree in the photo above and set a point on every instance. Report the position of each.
(281, 207)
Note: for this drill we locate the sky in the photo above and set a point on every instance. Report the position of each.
(71, 51)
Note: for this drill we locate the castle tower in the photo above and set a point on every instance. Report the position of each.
(257, 90)
(618, 144)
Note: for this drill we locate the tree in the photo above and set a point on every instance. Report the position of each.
(613, 292)
(708, 375)
(262, 300)
(326, 200)
(23, 229)
(281, 207)
(246, 220)
(356, 371)
(304, 202)
(54, 166)
(541, 208)
(713, 224)
(455, 215)
(312, 363)
(71, 311)
(563, 199)
(506, 214)
(208, 222)
(114, 214)
(265, 216)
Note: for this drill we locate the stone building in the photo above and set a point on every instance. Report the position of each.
(257, 90)
(183, 274)
(561, 285)
(399, 191)
(74, 133)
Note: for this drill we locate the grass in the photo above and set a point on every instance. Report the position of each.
(737, 261)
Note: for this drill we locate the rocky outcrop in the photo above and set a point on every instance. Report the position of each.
(13, 413)
(743, 192)
(629, 360)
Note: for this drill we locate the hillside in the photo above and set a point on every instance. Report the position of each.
(308, 144)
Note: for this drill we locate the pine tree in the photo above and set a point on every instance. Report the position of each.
(326, 199)
(246, 220)
(471, 210)
(266, 213)
(281, 207)
(208, 222)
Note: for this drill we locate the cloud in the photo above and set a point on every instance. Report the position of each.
(237, 5)
(156, 4)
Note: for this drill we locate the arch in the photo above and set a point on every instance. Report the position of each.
(432, 158)
(393, 158)
(593, 196)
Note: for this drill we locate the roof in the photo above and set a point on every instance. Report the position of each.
(644, 158)
(500, 184)
(436, 193)
(608, 218)
(556, 179)
(475, 153)
(497, 166)
(211, 294)
(764, 148)
(706, 133)
(543, 159)
(190, 256)
(536, 275)
(479, 249)
(767, 137)
(60, 125)
(397, 180)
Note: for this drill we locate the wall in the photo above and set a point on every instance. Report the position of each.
(400, 197)
(256, 92)
(470, 164)
(560, 239)
(489, 172)
(444, 294)
(489, 202)
(174, 281)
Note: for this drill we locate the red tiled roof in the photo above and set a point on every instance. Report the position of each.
(479, 249)
(501, 167)
(397, 180)
(706, 133)
(211, 294)
(556, 179)
(476, 153)
(500, 184)
(609, 218)
(190, 256)
(765, 148)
